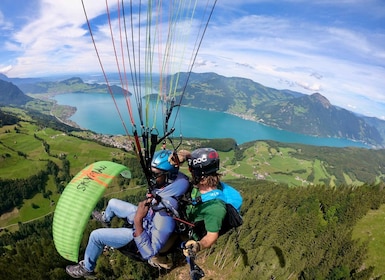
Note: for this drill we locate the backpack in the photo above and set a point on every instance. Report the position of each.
(233, 201)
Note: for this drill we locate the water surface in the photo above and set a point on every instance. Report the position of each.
(98, 113)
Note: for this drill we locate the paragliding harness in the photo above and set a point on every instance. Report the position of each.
(150, 141)
(131, 249)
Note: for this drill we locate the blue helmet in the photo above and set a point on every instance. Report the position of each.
(160, 161)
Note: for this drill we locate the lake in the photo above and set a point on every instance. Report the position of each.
(98, 113)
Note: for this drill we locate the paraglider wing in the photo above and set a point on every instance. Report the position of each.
(76, 203)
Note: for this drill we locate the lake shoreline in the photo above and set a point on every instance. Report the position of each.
(96, 112)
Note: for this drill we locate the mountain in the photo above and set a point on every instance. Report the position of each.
(284, 109)
(71, 85)
(288, 232)
(3, 77)
(20, 81)
(314, 115)
(12, 95)
(377, 123)
(234, 95)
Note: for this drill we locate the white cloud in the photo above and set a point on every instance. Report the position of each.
(55, 40)
(308, 86)
(353, 107)
(5, 69)
(4, 24)
(280, 52)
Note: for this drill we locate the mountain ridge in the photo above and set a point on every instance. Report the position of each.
(69, 85)
(284, 109)
(12, 95)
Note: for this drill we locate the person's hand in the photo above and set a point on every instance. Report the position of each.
(191, 248)
(178, 158)
(142, 210)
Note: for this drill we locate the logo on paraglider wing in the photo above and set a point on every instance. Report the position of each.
(88, 175)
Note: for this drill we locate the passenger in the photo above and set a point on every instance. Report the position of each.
(152, 225)
(207, 216)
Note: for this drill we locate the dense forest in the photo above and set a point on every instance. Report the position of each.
(288, 233)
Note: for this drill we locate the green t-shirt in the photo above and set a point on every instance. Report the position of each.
(211, 212)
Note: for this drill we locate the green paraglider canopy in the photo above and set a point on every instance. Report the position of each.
(77, 202)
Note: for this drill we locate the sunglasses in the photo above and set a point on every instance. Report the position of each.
(156, 175)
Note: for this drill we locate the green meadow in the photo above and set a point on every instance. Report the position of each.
(371, 228)
(78, 151)
(22, 154)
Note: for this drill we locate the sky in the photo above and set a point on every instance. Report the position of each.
(336, 48)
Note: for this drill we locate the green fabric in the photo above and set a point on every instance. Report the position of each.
(76, 203)
(211, 212)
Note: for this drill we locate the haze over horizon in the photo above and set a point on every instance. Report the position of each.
(336, 48)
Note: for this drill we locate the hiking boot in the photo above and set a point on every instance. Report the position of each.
(161, 262)
(79, 271)
(99, 216)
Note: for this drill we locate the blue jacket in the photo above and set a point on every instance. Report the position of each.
(158, 225)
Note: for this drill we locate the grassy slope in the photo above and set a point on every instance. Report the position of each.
(79, 152)
(371, 228)
(264, 162)
(12, 143)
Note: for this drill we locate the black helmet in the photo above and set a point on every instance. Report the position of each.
(203, 161)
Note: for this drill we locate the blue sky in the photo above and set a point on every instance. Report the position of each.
(336, 48)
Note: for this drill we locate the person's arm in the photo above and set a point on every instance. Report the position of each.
(141, 212)
(208, 240)
(214, 222)
(214, 215)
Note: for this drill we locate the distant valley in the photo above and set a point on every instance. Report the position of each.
(287, 110)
